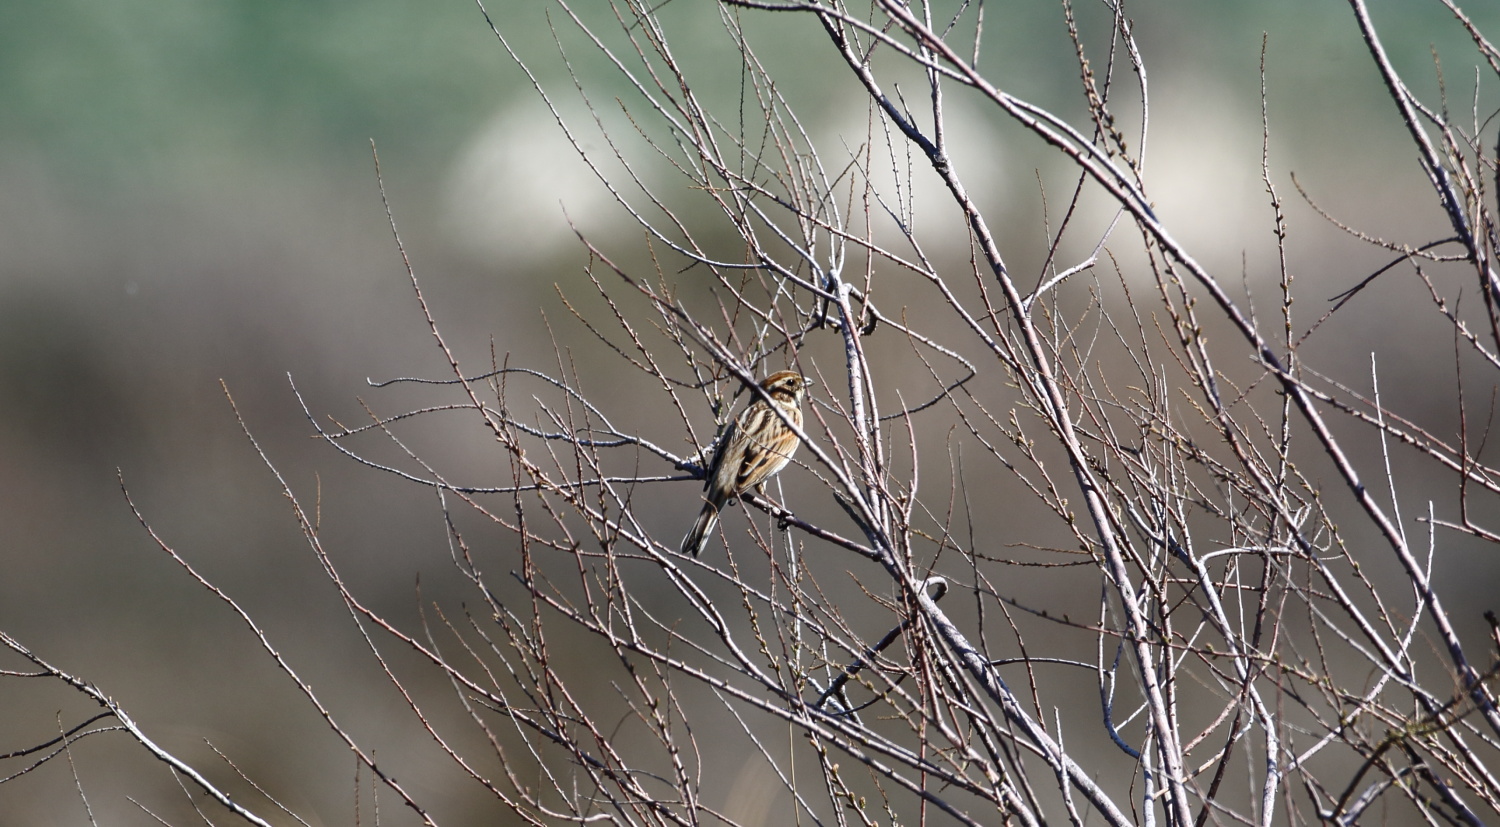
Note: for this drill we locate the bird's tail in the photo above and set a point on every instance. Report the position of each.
(707, 518)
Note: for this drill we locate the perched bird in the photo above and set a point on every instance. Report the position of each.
(755, 447)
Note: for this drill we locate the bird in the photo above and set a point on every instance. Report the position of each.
(751, 451)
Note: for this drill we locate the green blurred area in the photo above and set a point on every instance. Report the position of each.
(120, 93)
(129, 89)
(186, 195)
(123, 93)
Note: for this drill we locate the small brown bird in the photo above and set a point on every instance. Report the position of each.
(755, 447)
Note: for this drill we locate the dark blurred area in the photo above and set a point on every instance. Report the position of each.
(187, 197)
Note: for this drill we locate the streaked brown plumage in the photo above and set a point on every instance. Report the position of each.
(754, 448)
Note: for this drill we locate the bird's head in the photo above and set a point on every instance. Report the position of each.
(786, 386)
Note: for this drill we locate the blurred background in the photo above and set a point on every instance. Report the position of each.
(187, 197)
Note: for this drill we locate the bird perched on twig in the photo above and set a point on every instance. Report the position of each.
(755, 447)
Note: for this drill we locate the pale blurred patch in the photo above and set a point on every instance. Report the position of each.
(1203, 164)
(904, 186)
(518, 182)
